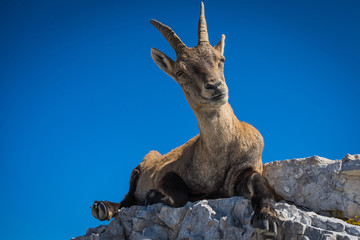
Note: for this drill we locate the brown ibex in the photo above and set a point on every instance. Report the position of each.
(224, 160)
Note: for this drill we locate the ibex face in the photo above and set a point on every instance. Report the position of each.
(198, 70)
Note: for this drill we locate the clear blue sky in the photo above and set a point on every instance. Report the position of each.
(81, 101)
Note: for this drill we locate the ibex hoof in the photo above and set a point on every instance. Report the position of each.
(100, 210)
(265, 227)
(264, 221)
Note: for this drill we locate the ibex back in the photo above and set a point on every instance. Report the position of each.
(224, 160)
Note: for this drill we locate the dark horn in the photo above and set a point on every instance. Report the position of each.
(169, 35)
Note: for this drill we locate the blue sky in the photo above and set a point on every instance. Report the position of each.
(81, 101)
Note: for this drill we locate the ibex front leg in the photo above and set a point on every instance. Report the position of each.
(254, 186)
(105, 210)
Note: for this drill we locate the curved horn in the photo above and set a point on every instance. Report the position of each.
(202, 29)
(169, 35)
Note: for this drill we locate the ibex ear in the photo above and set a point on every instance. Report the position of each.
(164, 62)
(221, 44)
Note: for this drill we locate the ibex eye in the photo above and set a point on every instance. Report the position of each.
(222, 59)
(179, 73)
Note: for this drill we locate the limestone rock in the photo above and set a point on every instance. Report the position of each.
(317, 183)
(217, 219)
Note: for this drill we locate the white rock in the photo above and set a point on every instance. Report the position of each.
(218, 219)
(316, 183)
(319, 184)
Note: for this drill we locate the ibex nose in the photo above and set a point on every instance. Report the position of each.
(211, 86)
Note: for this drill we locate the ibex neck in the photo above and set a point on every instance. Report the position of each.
(217, 127)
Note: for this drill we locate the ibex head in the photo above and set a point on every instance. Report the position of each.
(199, 70)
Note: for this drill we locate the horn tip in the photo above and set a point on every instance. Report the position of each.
(156, 23)
(201, 6)
(152, 21)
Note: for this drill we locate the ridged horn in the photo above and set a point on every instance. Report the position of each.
(169, 34)
(202, 27)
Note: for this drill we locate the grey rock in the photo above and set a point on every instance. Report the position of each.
(352, 230)
(218, 219)
(351, 165)
(319, 184)
(171, 217)
(200, 216)
(315, 184)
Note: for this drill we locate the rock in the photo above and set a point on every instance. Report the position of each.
(217, 219)
(351, 165)
(322, 185)
(318, 184)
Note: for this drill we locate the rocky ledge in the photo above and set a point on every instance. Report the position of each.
(318, 184)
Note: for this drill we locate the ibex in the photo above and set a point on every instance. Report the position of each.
(224, 160)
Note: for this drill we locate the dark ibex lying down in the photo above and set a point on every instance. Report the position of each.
(224, 160)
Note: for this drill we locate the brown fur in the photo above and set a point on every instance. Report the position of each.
(224, 160)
